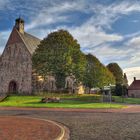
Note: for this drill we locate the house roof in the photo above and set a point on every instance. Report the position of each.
(135, 85)
(30, 41)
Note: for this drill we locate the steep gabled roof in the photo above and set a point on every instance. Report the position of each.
(18, 35)
(135, 85)
(30, 41)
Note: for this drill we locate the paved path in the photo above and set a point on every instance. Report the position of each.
(88, 124)
(28, 128)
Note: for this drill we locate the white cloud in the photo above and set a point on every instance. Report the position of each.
(134, 42)
(89, 36)
(109, 53)
(102, 15)
(133, 47)
(91, 32)
(131, 73)
(87, 33)
(106, 15)
(54, 14)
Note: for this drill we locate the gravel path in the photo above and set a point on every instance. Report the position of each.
(92, 124)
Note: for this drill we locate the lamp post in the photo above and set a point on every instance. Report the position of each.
(110, 95)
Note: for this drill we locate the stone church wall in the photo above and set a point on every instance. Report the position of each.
(16, 66)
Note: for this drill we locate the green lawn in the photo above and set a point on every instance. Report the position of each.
(67, 101)
(127, 100)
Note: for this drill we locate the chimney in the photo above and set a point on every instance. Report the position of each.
(19, 25)
(134, 78)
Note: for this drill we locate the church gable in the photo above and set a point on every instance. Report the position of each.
(16, 65)
(13, 46)
(31, 42)
(18, 35)
(14, 37)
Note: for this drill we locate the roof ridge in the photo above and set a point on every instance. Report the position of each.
(134, 85)
(32, 36)
(22, 39)
(31, 42)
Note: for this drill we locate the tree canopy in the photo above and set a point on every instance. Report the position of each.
(125, 80)
(116, 71)
(121, 80)
(97, 75)
(59, 55)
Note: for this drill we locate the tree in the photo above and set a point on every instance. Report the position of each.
(125, 80)
(116, 71)
(89, 76)
(125, 84)
(119, 90)
(96, 74)
(121, 80)
(59, 55)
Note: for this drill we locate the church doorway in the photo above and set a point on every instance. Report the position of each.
(12, 87)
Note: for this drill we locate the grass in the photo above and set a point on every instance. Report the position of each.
(67, 101)
(127, 100)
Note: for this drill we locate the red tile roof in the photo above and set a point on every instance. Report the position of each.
(135, 85)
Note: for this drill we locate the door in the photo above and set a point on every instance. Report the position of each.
(12, 87)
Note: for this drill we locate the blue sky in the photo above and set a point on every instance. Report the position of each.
(109, 29)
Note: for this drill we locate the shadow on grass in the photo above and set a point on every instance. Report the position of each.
(67, 102)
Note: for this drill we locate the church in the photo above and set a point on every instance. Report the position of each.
(16, 73)
(15, 61)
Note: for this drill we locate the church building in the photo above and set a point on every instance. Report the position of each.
(16, 62)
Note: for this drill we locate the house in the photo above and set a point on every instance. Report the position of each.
(16, 73)
(134, 89)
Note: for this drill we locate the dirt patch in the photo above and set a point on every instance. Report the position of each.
(18, 128)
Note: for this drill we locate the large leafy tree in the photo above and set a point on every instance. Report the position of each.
(59, 55)
(97, 75)
(116, 71)
(121, 80)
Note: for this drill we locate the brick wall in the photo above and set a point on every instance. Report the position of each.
(134, 93)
